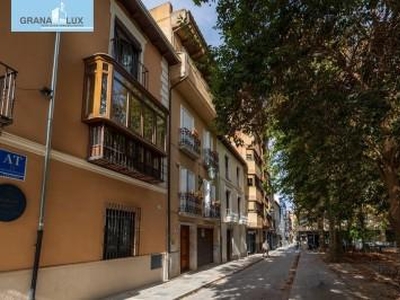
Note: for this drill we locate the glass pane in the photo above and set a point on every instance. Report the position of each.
(119, 103)
(161, 132)
(183, 180)
(191, 182)
(148, 124)
(127, 52)
(103, 100)
(89, 93)
(135, 115)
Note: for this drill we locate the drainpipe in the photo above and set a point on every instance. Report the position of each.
(182, 78)
(220, 206)
(42, 205)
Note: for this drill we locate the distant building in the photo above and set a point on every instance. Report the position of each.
(233, 195)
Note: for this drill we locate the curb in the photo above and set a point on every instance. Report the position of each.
(207, 284)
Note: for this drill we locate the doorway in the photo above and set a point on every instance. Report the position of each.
(185, 248)
(229, 244)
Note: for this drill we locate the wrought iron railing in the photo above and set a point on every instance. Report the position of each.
(212, 210)
(189, 142)
(190, 203)
(7, 93)
(211, 158)
(132, 65)
(120, 152)
(230, 216)
(243, 219)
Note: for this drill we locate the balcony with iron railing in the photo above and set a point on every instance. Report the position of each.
(129, 60)
(189, 142)
(7, 94)
(190, 203)
(243, 219)
(118, 151)
(230, 216)
(212, 210)
(127, 125)
(211, 158)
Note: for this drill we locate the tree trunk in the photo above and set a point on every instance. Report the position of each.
(322, 244)
(393, 187)
(335, 244)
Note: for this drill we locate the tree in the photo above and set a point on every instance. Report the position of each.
(287, 54)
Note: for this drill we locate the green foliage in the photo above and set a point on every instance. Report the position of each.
(321, 77)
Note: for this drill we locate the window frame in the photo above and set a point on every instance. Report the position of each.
(117, 219)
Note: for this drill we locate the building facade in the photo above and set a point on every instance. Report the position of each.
(232, 188)
(106, 197)
(252, 152)
(195, 236)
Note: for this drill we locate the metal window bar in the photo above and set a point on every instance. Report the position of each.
(132, 63)
(123, 154)
(121, 232)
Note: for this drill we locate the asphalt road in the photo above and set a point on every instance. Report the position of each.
(269, 279)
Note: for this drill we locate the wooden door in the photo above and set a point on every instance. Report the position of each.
(185, 248)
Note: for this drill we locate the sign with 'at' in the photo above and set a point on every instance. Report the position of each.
(12, 165)
(52, 15)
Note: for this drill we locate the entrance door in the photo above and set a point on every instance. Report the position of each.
(229, 244)
(185, 248)
(251, 242)
(204, 246)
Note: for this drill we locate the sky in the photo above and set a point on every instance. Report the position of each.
(204, 15)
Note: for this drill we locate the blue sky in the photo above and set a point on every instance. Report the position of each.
(205, 16)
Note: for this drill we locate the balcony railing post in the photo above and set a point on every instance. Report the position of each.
(7, 94)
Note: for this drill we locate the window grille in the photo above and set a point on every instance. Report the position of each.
(121, 231)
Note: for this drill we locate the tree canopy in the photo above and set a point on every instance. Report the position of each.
(323, 78)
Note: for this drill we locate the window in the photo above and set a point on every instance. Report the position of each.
(238, 176)
(119, 103)
(228, 199)
(226, 167)
(249, 156)
(239, 204)
(161, 128)
(126, 50)
(187, 181)
(135, 115)
(207, 140)
(187, 120)
(149, 124)
(140, 116)
(250, 181)
(120, 233)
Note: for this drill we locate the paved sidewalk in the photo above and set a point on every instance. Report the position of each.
(315, 280)
(189, 283)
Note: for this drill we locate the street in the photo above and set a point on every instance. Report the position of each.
(280, 277)
(269, 279)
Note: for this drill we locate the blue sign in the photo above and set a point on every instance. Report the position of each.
(12, 202)
(12, 165)
(52, 15)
